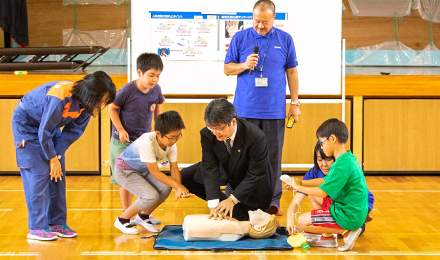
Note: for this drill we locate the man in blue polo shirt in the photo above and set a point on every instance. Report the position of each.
(261, 97)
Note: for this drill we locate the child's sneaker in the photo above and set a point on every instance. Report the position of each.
(146, 224)
(154, 220)
(126, 228)
(310, 236)
(42, 234)
(323, 241)
(62, 231)
(349, 239)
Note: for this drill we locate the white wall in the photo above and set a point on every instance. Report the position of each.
(314, 25)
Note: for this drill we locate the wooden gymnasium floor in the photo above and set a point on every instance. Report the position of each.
(406, 224)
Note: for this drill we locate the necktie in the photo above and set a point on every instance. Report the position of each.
(229, 189)
(228, 145)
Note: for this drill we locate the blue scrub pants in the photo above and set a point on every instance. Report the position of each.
(45, 198)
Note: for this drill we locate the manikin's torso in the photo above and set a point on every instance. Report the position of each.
(200, 227)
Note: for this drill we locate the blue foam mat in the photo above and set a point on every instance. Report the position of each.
(171, 238)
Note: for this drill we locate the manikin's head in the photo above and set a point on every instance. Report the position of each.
(263, 225)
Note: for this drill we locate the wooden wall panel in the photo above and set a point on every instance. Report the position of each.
(393, 85)
(367, 31)
(356, 85)
(401, 135)
(48, 28)
(83, 155)
(105, 135)
(2, 39)
(358, 128)
(7, 153)
(300, 140)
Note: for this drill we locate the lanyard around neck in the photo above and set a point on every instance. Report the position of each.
(267, 48)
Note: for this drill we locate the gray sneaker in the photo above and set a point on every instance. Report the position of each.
(311, 236)
(323, 242)
(350, 239)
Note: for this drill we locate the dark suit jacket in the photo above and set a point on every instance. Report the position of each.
(248, 168)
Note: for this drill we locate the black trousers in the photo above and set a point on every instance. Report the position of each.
(274, 130)
(240, 211)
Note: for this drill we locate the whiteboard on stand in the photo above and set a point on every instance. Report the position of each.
(316, 33)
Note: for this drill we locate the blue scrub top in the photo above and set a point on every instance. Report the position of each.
(51, 106)
(277, 52)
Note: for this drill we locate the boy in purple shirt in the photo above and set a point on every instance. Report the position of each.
(132, 111)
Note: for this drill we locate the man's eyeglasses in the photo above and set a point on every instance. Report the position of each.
(174, 139)
(216, 130)
(322, 141)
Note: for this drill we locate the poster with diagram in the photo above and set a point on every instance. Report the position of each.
(185, 35)
(229, 24)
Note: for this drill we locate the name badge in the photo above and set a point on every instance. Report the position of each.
(261, 82)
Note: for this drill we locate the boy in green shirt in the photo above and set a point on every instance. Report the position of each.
(344, 192)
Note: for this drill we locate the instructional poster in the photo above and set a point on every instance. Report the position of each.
(231, 24)
(185, 35)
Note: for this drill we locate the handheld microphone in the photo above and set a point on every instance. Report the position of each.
(256, 50)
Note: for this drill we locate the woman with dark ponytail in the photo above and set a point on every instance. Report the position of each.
(40, 145)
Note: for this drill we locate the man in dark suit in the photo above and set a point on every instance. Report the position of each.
(234, 153)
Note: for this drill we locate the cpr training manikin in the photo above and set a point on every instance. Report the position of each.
(201, 227)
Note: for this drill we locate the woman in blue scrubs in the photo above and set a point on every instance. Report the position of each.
(40, 145)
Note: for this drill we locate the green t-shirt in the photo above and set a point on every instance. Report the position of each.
(345, 184)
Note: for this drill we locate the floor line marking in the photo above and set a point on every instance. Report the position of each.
(95, 209)
(19, 254)
(369, 235)
(421, 191)
(67, 190)
(415, 191)
(256, 253)
(405, 190)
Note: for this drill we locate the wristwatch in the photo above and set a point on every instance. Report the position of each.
(59, 156)
(296, 103)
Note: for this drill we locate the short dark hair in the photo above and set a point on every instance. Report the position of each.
(167, 122)
(264, 5)
(147, 61)
(219, 111)
(90, 90)
(333, 126)
(318, 147)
